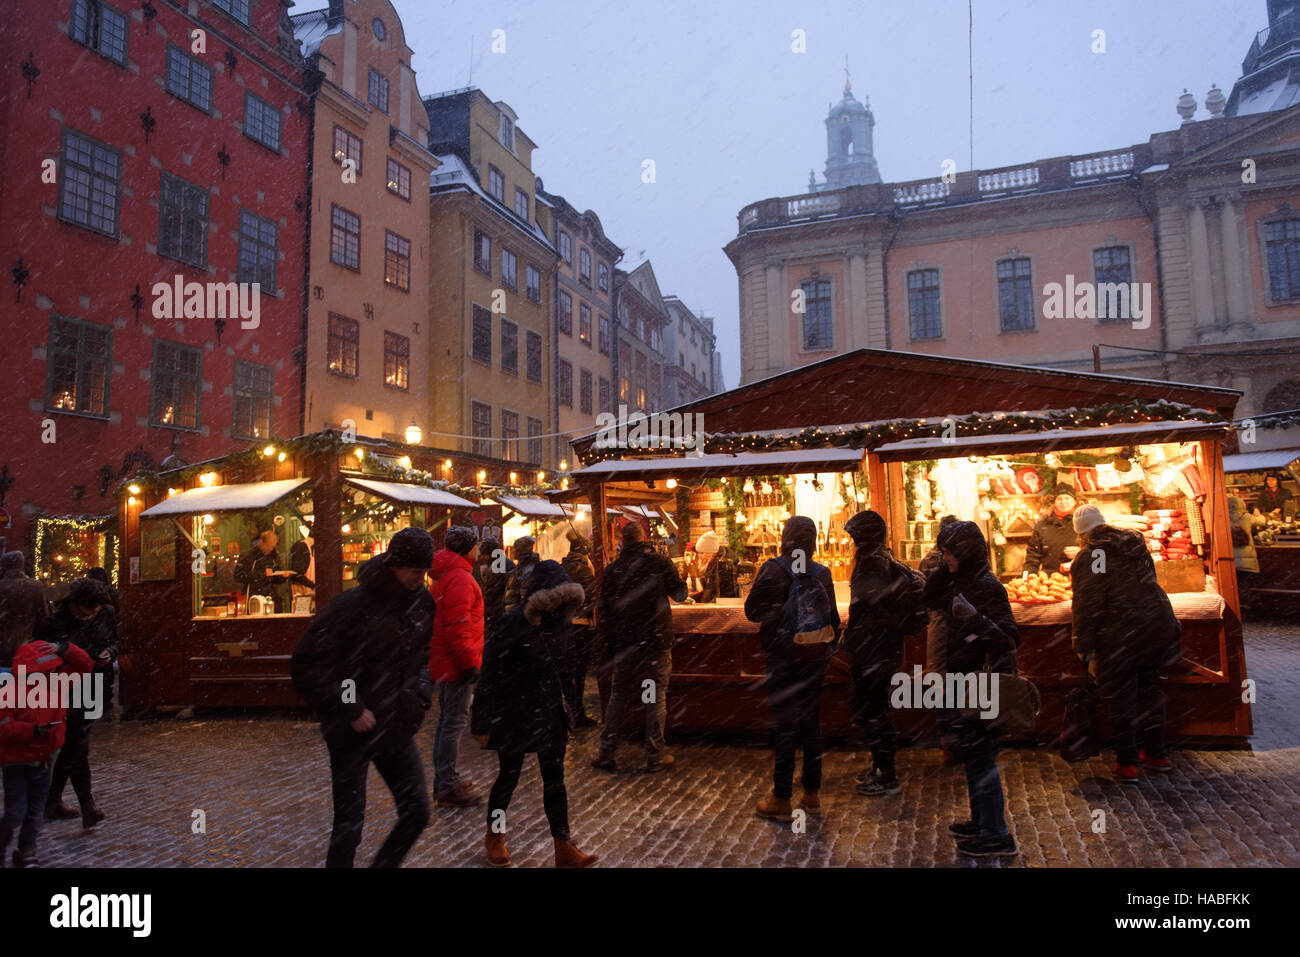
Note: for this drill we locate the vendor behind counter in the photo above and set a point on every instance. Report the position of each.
(716, 570)
(1273, 497)
(258, 570)
(1054, 539)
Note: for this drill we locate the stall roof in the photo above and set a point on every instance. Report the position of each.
(409, 494)
(745, 463)
(640, 511)
(224, 498)
(1260, 461)
(1142, 433)
(874, 384)
(530, 507)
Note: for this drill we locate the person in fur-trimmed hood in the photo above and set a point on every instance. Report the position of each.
(524, 702)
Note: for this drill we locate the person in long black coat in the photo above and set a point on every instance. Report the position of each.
(363, 665)
(524, 701)
(577, 564)
(492, 581)
(976, 614)
(1127, 634)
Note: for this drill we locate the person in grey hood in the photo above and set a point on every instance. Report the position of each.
(363, 666)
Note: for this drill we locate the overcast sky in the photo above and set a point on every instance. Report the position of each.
(712, 92)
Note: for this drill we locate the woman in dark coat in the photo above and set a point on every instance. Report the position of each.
(522, 705)
(875, 647)
(976, 614)
(1127, 635)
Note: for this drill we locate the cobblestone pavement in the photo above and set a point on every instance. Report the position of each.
(263, 784)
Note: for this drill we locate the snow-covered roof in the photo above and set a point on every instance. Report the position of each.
(410, 494)
(815, 460)
(530, 507)
(452, 172)
(1278, 95)
(310, 28)
(224, 498)
(1260, 461)
(640, 511)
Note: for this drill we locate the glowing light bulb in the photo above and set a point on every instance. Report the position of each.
(671, 483)
(133, 489)
(514, 478)
(281, 457)
(269, 450)
(404, 461)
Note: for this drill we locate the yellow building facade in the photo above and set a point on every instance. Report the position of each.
(368, 329)
(491, 303)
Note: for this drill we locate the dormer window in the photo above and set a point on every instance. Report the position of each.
(506, 134)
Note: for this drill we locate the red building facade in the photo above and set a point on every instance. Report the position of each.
(140, 143)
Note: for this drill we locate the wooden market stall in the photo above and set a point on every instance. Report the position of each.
(1277, 537)
(923, 436)
(194, 631)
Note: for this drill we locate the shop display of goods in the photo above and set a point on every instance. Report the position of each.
(1167, 536)
(1039, 588)
(1029, 480)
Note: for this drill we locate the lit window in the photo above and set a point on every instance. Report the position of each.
(397, 361)
(77, 366)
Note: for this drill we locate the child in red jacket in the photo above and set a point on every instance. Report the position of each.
(30, 737)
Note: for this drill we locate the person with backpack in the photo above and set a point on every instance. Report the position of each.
(636, 625)
(982, 635)
(363, 665)
(524, 702)
(793, 602)
(885, 605)
(1127, 634)
(32, 735)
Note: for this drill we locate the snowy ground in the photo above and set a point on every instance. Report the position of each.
(264, 787)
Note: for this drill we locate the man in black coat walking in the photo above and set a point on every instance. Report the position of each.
(363, 665)
(636, 625)
(577, 565)
(492, 572)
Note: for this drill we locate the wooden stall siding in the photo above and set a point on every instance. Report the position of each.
(172, 659)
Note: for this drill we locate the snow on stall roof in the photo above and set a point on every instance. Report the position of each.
(1260, 461)
(1105, 435)
(530, 507)
(721, 460)
(224, 498)
(640, 511)
(411, 494)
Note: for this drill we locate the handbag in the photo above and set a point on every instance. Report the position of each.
(1018, 704)
(1080, 737)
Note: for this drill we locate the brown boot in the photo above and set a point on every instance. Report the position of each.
(497, 854)
(567, 855)
(811, 802)
(775, 809)
(91, 815)
(58, 811)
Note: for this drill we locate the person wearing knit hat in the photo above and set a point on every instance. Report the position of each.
(363, 665)
(1127, 636)
(1054, 540)
(455, 655)
(492, 572)
(709, 570)
(795, 672)
(1086, 518)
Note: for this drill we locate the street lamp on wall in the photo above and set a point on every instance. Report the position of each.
(413, 433)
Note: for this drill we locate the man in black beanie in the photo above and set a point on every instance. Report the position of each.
(363, 665)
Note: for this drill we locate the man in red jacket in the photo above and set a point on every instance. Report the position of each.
(31, 735)
(455, 656)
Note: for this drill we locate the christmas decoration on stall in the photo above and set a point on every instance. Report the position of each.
(873, 434)
(77, 534)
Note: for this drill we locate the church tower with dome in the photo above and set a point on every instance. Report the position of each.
(850, 160)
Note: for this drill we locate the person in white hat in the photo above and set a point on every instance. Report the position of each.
(706, 568)
(1127, 636)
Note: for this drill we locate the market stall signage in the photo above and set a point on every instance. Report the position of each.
(157, 550)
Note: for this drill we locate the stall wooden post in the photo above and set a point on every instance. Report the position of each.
(327, 525)
(1225, 578)
(601, 546)
(896, 503)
